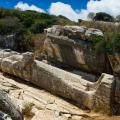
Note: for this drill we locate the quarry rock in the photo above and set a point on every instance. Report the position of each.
(4, 116)
(45, 106)
(92, 31)
(85, 93)
(73, 31)
(71, 46)
(19, 65)
(8, 109)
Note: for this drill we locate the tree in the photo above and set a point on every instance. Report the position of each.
(9, 25)
(2, 12)
(110, 43)
(91, 15)
(39, 26)
(101, 16)
(118, 18)
(28, 21)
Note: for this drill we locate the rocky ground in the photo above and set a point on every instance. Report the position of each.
(38, 104)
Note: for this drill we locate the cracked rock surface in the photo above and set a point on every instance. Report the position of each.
(38, 104)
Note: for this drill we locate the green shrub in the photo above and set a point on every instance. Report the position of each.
(99, 44)
(113, 45)
(9, 25)
(27, 109)
(39, 27)
(101, 16)
(110, 43)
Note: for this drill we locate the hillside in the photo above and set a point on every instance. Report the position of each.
(77, 61)
(25, 25)
(25, 29)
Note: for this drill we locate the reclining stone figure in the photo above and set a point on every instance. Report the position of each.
(85, 93)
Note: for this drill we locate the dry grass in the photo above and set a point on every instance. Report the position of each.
(39, 42)
(106, 27)
(27, 107)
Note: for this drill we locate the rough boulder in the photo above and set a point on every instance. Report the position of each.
(71, 46)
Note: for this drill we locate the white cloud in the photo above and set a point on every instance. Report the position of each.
(109, 6)
(66, 10)
(25, 6)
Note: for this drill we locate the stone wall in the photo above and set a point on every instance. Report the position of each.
(86, 94)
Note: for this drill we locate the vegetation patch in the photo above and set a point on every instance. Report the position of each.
(110, 43)
(27, 107)
(26, 24)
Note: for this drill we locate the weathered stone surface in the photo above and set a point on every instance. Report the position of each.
(92, 31)
(45, 105)
(71, 46)
(6, 53)
(73, 31)
(8, 107)
(4, 116)
(105, 94)
(18, 65)
(60, 82)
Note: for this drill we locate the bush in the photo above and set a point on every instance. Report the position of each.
(9, 25)
(114, 43)
(108, 44)
(25, 24)
(99, 44)
(24, 41)
(39, 27)
(103, 17)
(28, 22)
(106, 27)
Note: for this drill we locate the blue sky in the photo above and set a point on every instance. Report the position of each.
(72, 9)
(44, 4)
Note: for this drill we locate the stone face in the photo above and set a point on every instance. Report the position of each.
(18, 65)
(6, 53)
(72, 46)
